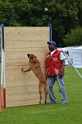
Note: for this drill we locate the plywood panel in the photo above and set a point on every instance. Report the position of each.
(22, 102)
(30, 33)
(25, 44)
(22, 88)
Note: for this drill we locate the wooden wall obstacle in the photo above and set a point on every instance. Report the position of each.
(22, 88)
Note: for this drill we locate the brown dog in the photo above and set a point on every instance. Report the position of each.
(36, 68)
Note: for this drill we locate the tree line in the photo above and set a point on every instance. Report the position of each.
(64, 15)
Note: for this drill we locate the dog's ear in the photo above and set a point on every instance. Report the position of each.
(28, 55)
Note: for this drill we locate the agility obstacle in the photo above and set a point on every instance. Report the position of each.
(2, 82)
(19, 88)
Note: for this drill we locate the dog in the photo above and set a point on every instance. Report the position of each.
(36, 68)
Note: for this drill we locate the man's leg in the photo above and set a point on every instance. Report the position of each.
(62, 89)
(51, 81)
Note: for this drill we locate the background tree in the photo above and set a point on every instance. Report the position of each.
(5, 12)
(74, 37)
(64, 15)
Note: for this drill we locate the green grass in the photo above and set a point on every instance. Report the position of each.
(70, 113)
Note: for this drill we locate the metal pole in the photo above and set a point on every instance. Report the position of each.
(50, 26)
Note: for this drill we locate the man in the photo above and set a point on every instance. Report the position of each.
(55, 61)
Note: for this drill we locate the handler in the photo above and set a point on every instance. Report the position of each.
(55, 61)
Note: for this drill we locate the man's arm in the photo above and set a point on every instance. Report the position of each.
(62, 68)
(63, 65)
(62, 59)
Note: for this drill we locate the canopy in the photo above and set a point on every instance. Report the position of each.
(77, 57)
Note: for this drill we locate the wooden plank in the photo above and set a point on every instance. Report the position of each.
(23, 89)
(15, 56)
(27, 33)
(22, 83)
(20, 30)
(25, 45)
(22, 97)
(24, 37)
(14, 102)
(21, 80)
(28, 50)
(27, 77)
(19, 62)
(17, 53)
(25, 101)
(25, 30)
(14, 67)
(21, 77)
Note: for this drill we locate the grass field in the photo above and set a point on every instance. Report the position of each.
(70, 113)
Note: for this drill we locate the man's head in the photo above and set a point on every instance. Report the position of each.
(52, 45)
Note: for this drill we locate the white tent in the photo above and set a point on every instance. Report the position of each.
(77, 57)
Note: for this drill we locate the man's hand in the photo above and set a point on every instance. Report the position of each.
(60, 75)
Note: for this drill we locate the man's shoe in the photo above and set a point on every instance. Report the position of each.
(64, 102)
